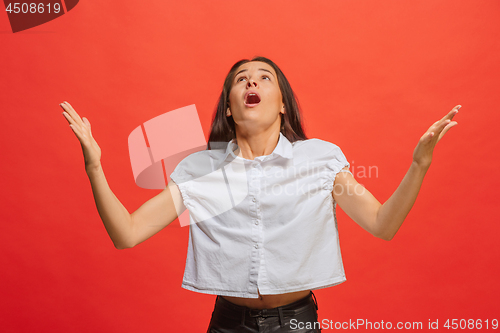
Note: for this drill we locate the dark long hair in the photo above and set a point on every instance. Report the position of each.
(223, 128)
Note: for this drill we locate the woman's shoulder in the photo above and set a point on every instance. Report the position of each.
(315, 147)
(322, 152)
(197, 164)
(204, 156)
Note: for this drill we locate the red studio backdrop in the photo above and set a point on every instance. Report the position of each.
(371, 77)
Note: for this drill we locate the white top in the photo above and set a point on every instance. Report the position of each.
(266, 225)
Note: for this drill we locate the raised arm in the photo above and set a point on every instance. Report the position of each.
(125, 230)
(384, 221)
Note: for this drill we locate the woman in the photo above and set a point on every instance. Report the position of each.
(264, 253)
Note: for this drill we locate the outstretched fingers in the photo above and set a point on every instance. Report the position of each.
(439, 128)
(73, 118)
(446, 122)
(78, 132)
(452, 113)
(446, 129)
(80, 127)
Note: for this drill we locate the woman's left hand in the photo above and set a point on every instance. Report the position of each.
(422, 154)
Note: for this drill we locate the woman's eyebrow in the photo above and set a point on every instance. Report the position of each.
(260, 69)
(265, 70)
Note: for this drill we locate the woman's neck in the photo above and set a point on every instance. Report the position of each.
(251, 146)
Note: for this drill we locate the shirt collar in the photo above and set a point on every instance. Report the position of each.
(283, 149)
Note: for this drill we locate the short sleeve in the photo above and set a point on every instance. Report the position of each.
(182, 175)
(179, 174)
(336, 161)
(185, 174)
(180, 178)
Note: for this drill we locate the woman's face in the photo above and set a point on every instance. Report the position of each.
(255, 99)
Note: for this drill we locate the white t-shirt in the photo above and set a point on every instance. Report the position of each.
(266, 225)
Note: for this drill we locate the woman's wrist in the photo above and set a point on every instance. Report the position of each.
(93, 169)
(421, 166)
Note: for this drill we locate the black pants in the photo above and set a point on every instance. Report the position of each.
(300, 316)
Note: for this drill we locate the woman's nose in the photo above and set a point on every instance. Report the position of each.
(251, 83)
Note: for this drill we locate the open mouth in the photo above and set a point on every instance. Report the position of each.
(252, 99)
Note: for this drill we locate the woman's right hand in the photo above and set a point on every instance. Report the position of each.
(82, 130)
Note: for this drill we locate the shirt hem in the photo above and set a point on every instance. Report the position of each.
(311, 286)
(264, 291)
(219, 292)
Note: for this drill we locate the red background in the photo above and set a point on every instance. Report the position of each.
(371, 77)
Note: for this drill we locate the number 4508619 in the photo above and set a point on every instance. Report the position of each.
(32, 8)
(471, 324)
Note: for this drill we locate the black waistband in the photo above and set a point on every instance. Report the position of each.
(289, 310)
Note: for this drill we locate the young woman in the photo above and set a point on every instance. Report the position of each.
(263, 230)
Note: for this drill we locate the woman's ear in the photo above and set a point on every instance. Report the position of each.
(228, 112)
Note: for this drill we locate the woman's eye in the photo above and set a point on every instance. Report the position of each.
(240, 79)
(266, 77)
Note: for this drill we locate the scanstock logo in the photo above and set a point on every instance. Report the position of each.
(26, 15)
